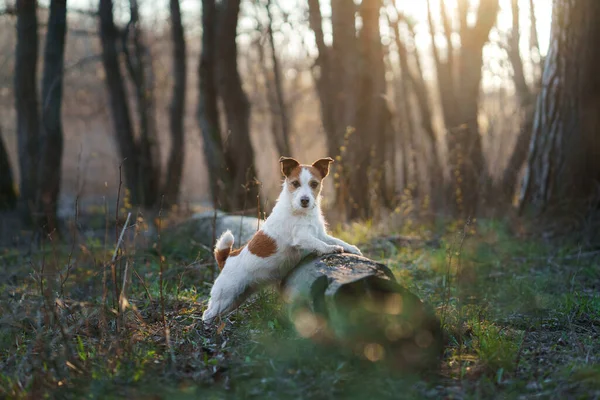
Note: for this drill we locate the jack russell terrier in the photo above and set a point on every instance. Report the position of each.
(295, 228)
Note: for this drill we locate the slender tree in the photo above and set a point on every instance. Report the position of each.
(230, 158)
(8, 197)
(26, 96)
(208, 110)
(51, 143)
(177, 109)
(128, 151)
(526, 96)
(138, 61)
(238, 150)
(281, 128)
(140, 156)
(350, 81)
(459, 78)
(563, 166)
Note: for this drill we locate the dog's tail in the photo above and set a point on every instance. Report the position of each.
(223, 248)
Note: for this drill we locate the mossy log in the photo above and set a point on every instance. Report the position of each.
(343, 299)
(355, 302)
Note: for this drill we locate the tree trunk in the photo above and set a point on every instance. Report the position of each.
(526, 97)
(365, 160)
(26, 105)
(280, 113)
(8, 197)
(128, 151)
(51, 146)
(459, 88)
(563, 168)
(208, 111)
(238, 152)
(139, 66)
(351, 86)
(174, 171)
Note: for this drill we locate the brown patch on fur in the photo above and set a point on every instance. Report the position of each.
(221, 257)
(262, 245)
(322, 166)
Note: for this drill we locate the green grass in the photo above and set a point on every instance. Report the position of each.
(521, 318)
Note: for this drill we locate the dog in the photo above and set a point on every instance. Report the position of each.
(296, 227)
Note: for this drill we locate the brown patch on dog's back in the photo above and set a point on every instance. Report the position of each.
(262, 245)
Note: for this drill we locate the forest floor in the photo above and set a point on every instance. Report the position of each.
(522, 319)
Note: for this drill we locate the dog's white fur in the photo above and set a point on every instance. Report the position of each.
(296, 230)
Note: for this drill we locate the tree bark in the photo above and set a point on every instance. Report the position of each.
(351, 87)
(8, 197)
(280, 112)
(51, 143)
(174, 171)
(128, 151)
(459, 91)
(26, 105)
(526, 96)
(563, 168)
(139, 66)
(238, 151)
(208, 111)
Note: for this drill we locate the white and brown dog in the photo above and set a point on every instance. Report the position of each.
(295, 228)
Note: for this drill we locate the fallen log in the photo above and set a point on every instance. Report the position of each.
(343, 300)
(355, 302)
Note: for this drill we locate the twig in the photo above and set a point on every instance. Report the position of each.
(143, 284)
(114, 257)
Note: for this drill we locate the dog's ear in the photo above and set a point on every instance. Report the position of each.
(287, 165)
(322, 165)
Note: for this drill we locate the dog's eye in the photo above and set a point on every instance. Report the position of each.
(314, 184)
(296, 184)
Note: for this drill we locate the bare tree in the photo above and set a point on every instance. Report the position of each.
(277, 99)
(141, 162)
(51, 139)
(239, 154)
(563, 167)
(414, 82)
(208, 110)
(110, 36)
(138, 61)
(230, 159)
(8, 197)
(526, 96)
(26, 97)
(459, 78)
(177, 110)
(352, 89)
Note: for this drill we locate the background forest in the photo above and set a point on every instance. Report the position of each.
(467, 160)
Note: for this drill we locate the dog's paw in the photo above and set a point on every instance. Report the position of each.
(353, 250)
(335, 250)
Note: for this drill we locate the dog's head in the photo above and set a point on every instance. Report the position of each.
(304, 182)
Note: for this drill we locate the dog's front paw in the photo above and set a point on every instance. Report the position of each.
(353, 250)
(334, 250)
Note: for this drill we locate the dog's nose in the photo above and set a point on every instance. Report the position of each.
(304, 201)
